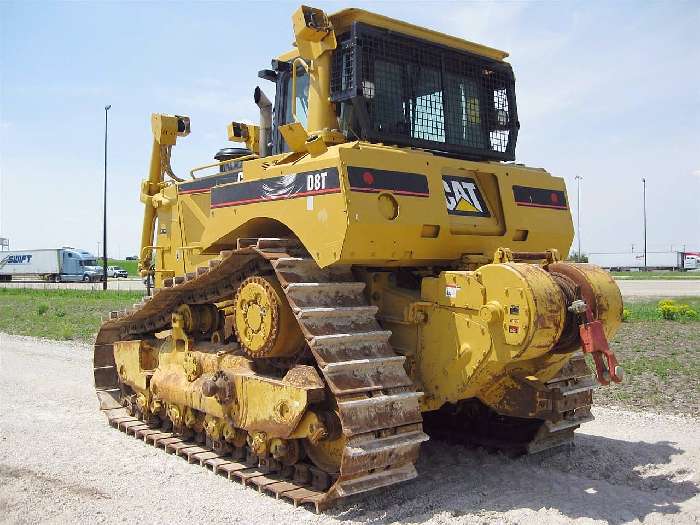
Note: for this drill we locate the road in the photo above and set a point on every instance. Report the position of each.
(61, 463)
(658, 288)
(630, 289)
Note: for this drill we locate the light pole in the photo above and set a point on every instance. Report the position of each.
(644, 198)
(578, 213)
(104, 212)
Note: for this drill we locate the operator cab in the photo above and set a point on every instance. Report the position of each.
(399, 84)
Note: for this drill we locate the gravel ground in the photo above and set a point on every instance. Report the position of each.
(60, 462)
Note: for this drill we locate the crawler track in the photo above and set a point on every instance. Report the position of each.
(376, 402)
(473, 424)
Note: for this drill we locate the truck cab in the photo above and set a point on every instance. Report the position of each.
(78, 265)
(90, 270)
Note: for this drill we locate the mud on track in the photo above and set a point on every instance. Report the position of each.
(60, 462)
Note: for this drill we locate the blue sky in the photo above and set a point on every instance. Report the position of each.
(608, 91)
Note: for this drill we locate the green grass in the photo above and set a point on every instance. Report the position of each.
(648, 310)
(130, 266)
(664, 276)
(59, 314)
(661, 367)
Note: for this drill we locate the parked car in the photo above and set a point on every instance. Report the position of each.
(132, 258)
(117, 272)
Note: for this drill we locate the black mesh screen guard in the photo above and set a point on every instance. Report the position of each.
(396, 89)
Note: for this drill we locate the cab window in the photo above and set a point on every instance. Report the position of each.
(302, 98)
(283, 103)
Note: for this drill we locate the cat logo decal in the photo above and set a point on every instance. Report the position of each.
(463, 197)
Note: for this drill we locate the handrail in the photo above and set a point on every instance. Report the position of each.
(252, 156)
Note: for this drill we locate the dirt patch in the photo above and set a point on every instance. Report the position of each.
(9, 474)
(662, 364)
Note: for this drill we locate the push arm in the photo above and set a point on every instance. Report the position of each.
(166, 129)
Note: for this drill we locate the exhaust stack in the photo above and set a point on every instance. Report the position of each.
(265, 120)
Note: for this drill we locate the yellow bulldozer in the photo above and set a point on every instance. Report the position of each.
(368, 269)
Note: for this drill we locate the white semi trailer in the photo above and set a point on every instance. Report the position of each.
(672, 261)
(54, 265)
